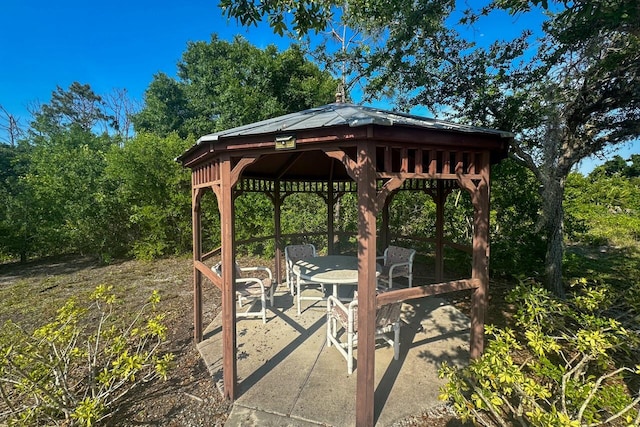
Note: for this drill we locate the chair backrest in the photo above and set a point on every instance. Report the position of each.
(294, 253)
(397, 254)
(388, 314)
(385, 315)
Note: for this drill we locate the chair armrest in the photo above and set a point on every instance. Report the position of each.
(333, 301)
(250, 280)
(399, 264)
(267, 269)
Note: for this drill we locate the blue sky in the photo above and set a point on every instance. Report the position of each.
(121, 44)
(111, 44)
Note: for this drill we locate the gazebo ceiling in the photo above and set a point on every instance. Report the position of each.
(338, 125)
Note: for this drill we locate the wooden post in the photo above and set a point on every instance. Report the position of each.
(229, 363)
(440, 200)
(367, 196)
(277, 224)
(480, 265)
(385, 232)
(331, 204)
(197, 256)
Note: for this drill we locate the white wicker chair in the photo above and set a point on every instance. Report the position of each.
(250, 289)
(346, 317)
(398, 262)
(293, 253)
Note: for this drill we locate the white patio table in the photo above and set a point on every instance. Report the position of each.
(332, 270)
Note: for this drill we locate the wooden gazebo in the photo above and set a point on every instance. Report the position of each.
(327, 150)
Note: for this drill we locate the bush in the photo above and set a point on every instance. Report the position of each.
(566, 367)
(66, 371)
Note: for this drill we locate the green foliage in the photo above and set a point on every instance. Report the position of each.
(225, 84)
(152, 194)
(517, 248)
(305, 213)
(80, 366)
(15, 233)
(566, 367)
(64, 183)
(77, 106)
(602, 209)
(254, 218)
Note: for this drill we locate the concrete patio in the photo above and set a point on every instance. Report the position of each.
(289, 377)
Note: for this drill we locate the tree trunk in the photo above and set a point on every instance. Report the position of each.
(553, 213)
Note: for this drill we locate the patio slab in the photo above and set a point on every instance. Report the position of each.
(289, 377)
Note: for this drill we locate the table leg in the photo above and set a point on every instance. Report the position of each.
(298, 291)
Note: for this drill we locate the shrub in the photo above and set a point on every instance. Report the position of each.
(66, 370)
(564, 367)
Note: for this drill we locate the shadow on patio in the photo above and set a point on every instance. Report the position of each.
(288, 376)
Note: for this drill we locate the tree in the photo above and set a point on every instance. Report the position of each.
(122, 109)
(574, 96)
(371, 36)
(225, 84)
(57, 190)
(78, 106)
(165, 109)
(15, 231)
(11, 127)
(619, 166)
(151, 192)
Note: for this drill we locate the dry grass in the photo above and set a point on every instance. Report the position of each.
(30, 294)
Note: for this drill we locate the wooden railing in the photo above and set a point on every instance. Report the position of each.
(400, 295)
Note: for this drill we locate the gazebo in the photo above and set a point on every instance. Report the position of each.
(329, 150)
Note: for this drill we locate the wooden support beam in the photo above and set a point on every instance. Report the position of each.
(440, 199)
(331, 204)
(206, 271)
(480, 263)
(349, 164)
(229, 361)
(387, 189)
(367, 201)
(235, 173)
(277, 225)
(196, 219)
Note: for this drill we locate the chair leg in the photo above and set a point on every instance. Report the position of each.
(328, 327)
(396, 340)
(298, 294)
(292, 286)
(350, 337)
(263, 302)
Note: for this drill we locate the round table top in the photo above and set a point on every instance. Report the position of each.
(330, 269)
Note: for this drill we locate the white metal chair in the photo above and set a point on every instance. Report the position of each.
(346, 317)
(398, 262)
(250, 289)
(293, 253)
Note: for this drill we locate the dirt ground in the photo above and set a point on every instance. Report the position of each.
(30, 294)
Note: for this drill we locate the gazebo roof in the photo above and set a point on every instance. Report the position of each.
(337, 114)
(340, 115)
